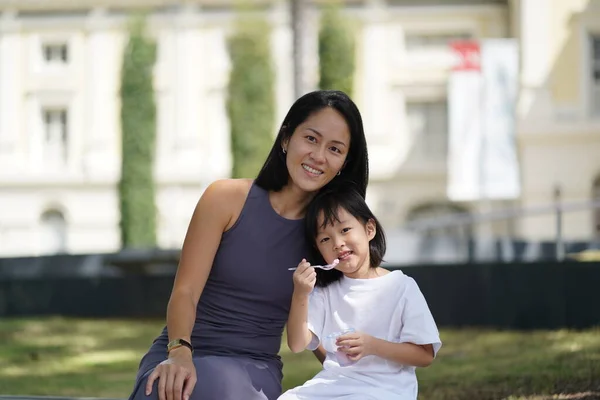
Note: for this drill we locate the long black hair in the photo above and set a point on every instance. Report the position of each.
(327, 203)
(274, 174)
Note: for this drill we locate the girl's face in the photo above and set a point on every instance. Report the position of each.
(348, 241)
(317, 149)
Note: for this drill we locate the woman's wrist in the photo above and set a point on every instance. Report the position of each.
(180, 352)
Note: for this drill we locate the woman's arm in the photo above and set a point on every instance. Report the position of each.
(216, 211)
(212, 216)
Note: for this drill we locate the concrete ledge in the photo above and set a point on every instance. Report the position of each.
(9, 397)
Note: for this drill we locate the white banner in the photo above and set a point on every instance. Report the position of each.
(500, 169)
(482, 92)
(464, 123)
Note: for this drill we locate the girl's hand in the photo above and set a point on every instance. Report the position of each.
(355, 345)
(176, 376)
(304, 278)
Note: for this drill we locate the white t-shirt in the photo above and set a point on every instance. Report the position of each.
(389, 307)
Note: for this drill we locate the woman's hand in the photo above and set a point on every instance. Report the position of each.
(355, 345)
(176, 376)
(304, 278)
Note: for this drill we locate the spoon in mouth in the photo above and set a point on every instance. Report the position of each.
(323, 267)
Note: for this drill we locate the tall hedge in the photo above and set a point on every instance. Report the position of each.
(251, 98)
(336, 51)
(138, 135)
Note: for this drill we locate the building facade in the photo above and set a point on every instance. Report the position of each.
(60, 115)
(559, 110)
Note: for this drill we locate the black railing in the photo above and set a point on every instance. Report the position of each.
(548, 295)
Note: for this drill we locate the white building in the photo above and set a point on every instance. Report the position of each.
(60, 122)
(60, 126)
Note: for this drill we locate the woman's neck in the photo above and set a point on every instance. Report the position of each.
(290, 202)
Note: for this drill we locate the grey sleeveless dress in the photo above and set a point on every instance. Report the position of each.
(242, 310)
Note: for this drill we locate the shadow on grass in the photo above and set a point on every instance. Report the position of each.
(99, 358)
(72, 357)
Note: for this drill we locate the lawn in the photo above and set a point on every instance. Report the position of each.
(98, 358)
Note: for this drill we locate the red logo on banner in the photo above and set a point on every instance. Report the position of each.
(467, 56)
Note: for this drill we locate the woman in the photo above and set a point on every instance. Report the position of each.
(233, 287)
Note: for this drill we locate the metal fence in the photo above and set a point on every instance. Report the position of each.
(458, 237)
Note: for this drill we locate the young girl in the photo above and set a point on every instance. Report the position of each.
(374, 324)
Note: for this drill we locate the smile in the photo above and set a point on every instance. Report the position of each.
(312, 170)
(343, 255)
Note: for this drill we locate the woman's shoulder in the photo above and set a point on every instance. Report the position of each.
(228, 190)
(226, 198)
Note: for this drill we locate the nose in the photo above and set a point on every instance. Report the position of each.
(319, 155)
(338, 243)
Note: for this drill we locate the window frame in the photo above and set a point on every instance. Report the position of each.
(420, 139)
(62, 50)
(593, 66)
(47, 132)
(588, 28)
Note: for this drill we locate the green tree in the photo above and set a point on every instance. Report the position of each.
(138, 135)
(251, 98)
(336, 51)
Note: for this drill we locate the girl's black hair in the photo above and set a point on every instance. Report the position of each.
(328, 203)
(274, 174)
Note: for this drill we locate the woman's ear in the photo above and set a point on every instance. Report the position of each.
(371, 229)
(284, 144)
(345, 163)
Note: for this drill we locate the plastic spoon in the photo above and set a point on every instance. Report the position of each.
(323, 267)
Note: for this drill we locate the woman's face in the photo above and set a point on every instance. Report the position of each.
(317, 150)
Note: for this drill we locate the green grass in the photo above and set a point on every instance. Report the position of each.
(99, 358)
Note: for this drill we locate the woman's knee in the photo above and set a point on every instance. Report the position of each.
(139, 392)
(224, 378)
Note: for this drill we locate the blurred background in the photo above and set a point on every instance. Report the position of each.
(480, 115)
(483, 125)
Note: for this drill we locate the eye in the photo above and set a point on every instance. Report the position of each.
(311, 138)
(335, 149)
(324, 240)
(345, 230)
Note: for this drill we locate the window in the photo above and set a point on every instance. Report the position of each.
(596, 75)
(55, 137)
(443, 244)
(432, 41)
(55, 53)
(428, 126)
(53, 233)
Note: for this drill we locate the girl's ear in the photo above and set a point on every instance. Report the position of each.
(371, 229)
